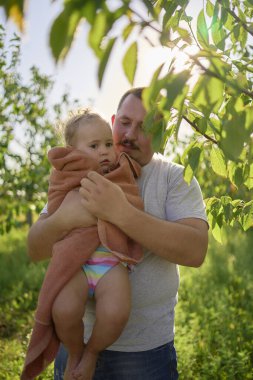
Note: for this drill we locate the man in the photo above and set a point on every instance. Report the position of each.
(172, 229)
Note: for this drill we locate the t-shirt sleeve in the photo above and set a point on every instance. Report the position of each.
(44, 210)
(183, 200)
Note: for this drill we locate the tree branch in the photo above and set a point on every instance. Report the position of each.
(237, 18)
(223, 80)
(194, 126)
(145, 22)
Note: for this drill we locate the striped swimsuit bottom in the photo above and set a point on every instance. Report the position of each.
(100, 262)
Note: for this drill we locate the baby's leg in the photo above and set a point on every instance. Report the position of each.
(113, 302)
(68, 311)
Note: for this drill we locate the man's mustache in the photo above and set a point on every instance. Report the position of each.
(128, 143)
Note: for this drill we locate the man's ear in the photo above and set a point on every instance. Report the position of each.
(112, 119)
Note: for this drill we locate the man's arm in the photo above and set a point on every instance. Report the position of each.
(50, 229)
(183, 242)
(42, 236)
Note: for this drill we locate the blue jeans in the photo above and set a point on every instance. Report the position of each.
(157, 364)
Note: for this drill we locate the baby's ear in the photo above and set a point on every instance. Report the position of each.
(112, 119)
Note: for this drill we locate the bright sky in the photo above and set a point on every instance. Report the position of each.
(78, 73)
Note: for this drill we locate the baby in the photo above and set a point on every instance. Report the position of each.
(90, 261)
(102, 276)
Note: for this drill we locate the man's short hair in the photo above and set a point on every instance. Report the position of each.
(137, 91)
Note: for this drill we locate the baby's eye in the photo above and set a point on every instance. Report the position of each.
(109, 144)
(93, 146)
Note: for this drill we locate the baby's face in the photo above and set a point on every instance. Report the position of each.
(95, 139)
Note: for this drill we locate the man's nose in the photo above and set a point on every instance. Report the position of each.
(131, 133)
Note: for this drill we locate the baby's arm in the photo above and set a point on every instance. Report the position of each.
(50, 229)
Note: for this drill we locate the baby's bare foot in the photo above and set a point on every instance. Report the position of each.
(72, 363)
(86, 367)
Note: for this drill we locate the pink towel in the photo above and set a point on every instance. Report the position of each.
(70, 253)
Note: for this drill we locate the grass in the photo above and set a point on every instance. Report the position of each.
(20, 281)
(214, 324)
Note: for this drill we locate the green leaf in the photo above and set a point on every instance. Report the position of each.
(215, 214)
(242, 15)
(246, 219)
(209, 8)
(88, 10)
(229, 24)
(104, 60)
(184, 34)
(218, 161)
(174, 85)
(218, 35)
(130, 62)
(243, 37)
(155, 124)
(128, 30)
(249, 181)
(169, 8)
(235, 34)
(153, 7)
(191, 159)
(157, 141)
(151, 122)
(97, 33)
(219, 67)
(237, 129)
(202, 31)
(179, 105)
(237, 173)
(226, 202)
(62, 32)
(232, 140)
(150, 93)
(15, 11)
(218, 233)
(207, 94)
(249, 120)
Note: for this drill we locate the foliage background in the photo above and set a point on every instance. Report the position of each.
(214, 316)
(214, 326)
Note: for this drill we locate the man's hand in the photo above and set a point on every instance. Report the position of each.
(72, 214)
(102, 198)
(51, 228)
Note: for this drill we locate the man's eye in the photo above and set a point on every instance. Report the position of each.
(125, 122)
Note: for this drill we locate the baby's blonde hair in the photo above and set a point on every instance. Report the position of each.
(74, 121)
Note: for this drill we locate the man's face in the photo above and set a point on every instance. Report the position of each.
(128, 134)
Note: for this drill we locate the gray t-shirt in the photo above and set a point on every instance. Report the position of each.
(155, 281)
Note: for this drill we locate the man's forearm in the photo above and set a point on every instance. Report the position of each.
(42, 236)
(50, 229)
(183, 242)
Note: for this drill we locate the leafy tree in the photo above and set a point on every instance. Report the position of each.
(26, 134)
(217, 106)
